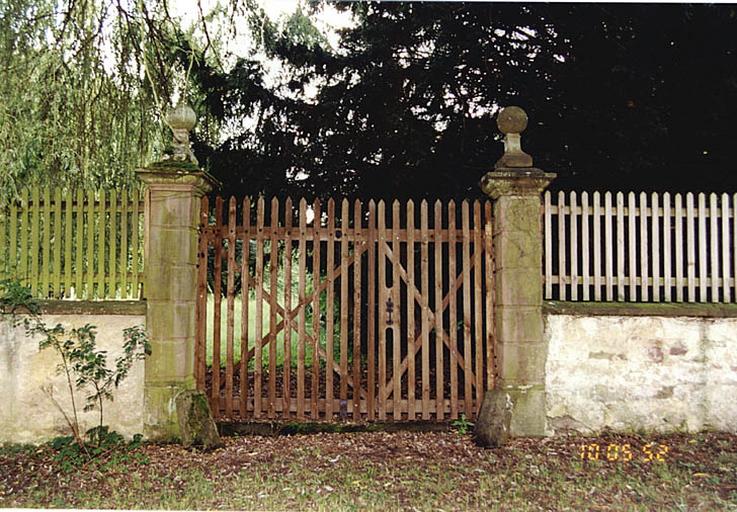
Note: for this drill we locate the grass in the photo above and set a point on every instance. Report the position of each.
(387, 471)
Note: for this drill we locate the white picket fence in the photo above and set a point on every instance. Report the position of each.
(640, 247)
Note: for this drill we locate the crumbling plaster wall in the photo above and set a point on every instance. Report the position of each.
(661, 373)
(27, 414)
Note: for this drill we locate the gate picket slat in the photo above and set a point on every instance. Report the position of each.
(643, 249)
(230, 326)
(411, 380)
(702, 247)
(425, 314)
(357, 220)
(678, 228)
(23, 266)
(439, 388)
(58, 246)
(562, 273)
(201, 310)
(467, 355)
(574, 247)
(548, 226)
(273, 276)
(258, 360)
(382, 309)
(734, 241)
(371, 330)
(217, 308)
(245, 304)
(597, 245)
(301, 328)
(68, 206)
(396, 321)
(329, 313)
(45, 263)
(478, 335)
(632, 245)
(667, 270)
(713, 247)
(585, 245)
(35, 199)
(315, 381)
(453, 312)
(691, 248)
(124, 244)
(112, 256)
(608, 248)
(726, 271)
(655, 245)
(13, 237)
(102, 221)
(90, 268)
(344, 306)
(287, 363)
(620, 246)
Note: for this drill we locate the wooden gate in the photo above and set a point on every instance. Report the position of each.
(344, 310)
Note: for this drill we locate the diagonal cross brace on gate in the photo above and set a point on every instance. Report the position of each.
(336, 272)
(417, 342)
(303, 301)
(358, 239)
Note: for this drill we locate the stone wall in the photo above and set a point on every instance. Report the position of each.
(27, 414)
(640, 367)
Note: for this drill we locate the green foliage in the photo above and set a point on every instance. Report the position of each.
(64, 118)
(462, 425)
(85, 84)
(300, 30)
(405, 105)
(80, 361)
(87, 365)
(10, 449)
(86, 370)
(107, 449)
(69, 454)
(14, 298)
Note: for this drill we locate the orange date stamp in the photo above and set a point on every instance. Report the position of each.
(616, 452)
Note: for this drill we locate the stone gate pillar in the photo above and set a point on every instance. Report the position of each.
(174, 187)
(516, 407)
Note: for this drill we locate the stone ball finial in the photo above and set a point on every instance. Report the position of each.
(181, 117)
(511, 120)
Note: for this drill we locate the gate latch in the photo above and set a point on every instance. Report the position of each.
(389, 310)
(344, 410)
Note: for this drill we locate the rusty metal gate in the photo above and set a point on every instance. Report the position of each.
(360, 311)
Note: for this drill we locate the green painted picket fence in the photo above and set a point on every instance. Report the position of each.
(83, 244)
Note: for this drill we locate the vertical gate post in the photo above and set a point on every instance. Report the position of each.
(174, 187)
(516, 407)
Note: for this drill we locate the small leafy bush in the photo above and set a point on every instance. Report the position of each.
(107, 450)
(85, 368)
(462, 425)
(15, 297)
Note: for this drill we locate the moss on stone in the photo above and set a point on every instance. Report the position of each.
(196, 425)
(709, 310)
(174, 165)
(90, 307)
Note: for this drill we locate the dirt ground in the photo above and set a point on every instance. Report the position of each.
(391, 471)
